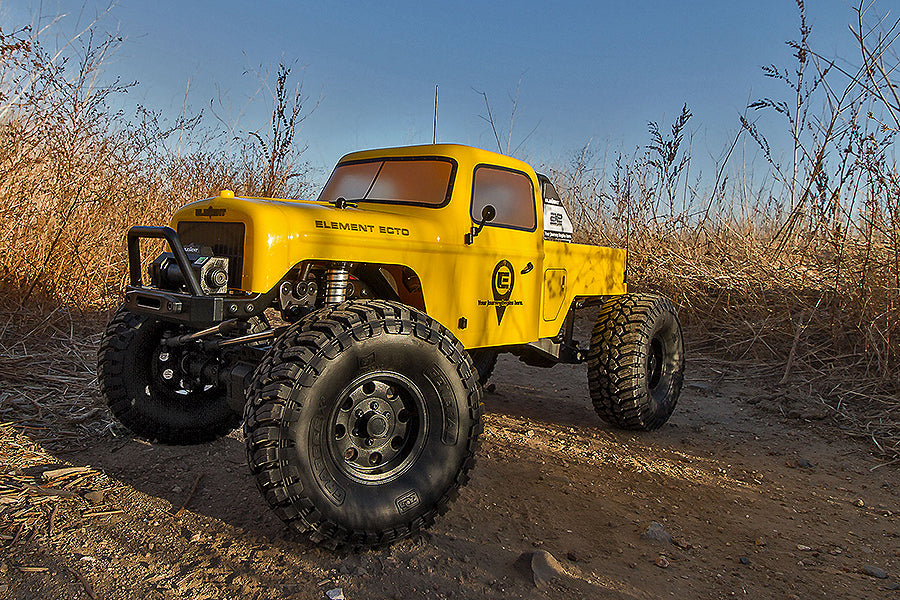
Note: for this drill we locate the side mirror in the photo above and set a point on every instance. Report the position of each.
(487, 214)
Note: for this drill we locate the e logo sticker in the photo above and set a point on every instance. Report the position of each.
(502, 282)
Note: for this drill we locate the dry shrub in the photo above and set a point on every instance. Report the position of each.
(796, 271)
(799, 275)
(74, 174)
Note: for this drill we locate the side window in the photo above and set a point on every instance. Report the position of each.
(509, 192)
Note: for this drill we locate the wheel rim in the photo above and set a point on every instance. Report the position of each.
(654, 363)
(378, 428)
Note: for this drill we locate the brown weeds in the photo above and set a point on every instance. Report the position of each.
(798, 270)
(795, 271)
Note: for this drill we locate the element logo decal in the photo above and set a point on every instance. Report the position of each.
(209, 212)
(502, 282)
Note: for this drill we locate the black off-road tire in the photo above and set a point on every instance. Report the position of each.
(131, 378)
(363, 371)
(484, 359)
(636, 361)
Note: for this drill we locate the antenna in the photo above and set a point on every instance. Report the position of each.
(434, 135)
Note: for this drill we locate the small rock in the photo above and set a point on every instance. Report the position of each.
(94, 497)
(572, 556)
(744, 560)
(760, 541)
(195, 538)
(892, 586)
(860, 503)
(545, 569)
(360, 572)
(873, 571)
(344, 570)
(803, 548)
(662, 562)
(657, 533)
(802, 463)
(177, 489)
(335, 594)
(3, 567)
(814, 414)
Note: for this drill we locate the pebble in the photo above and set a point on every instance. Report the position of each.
(572, 556)
(657, 532)
(662, 562)
(94, 497)
(760, 541)
(892, 586)
(335, 594)
(873, 571)
(744, 560)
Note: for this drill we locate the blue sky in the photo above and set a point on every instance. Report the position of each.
(590, 71)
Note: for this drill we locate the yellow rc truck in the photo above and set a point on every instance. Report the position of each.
(352, 334)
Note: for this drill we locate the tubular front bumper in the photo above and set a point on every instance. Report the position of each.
(193, 308)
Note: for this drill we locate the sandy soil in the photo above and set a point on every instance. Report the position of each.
(761, 493)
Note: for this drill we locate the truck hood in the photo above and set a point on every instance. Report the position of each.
(282, 231)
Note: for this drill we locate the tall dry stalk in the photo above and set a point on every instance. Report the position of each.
(75, 174)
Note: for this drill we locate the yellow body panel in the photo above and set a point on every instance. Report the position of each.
(488, 293)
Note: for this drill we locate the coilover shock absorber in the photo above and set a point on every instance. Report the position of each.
(337, 281)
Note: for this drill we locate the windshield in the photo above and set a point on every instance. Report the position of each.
(417, 181)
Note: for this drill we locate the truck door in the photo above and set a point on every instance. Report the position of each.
(505, 259)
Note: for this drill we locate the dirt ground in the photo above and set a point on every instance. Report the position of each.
(761, 493)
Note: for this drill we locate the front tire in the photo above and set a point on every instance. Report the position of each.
(147, 390)
(362, 423)
(636, 361)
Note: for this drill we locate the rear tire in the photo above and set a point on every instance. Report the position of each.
(362, 423)
(146, 391)
(636, 361)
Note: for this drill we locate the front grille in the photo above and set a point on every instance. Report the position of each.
(225, 239)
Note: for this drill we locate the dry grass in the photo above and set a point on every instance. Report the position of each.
(798, 270)
(795, 272)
